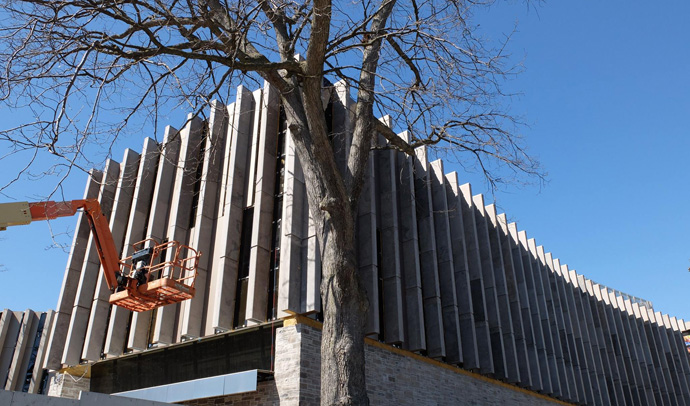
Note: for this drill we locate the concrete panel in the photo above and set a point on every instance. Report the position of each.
(90, 270)
(201, 238)
(566, 340)
(409, 254)
(514, 292)
(462, 276)
(486, 356)
(70, 282)
(641, 351)
(446, 274)
(586, 392)
(559, 379)
(41, 353)
(179, 218)
(390, 268)
(264, 193)
(100, 307)
(501, 288)
(618, 346)
(529, 328)
(343, 107)
(606, 383)
(25, 338)
(617, 392)
(233, 187)
(138, 338)
(549, 371)
(311, 252)
(138, 217)
(367, 248)
(292, 229)
(433, 313)
(490, 288)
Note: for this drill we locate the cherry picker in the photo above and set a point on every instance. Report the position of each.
(157, 274)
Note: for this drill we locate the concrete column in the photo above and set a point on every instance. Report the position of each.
(514, 293)
(25, 338)
(565, 331)
(664, 327)
(264, 196)
(592, 387)
(529, 327)
(343, 107)
(559, 379)
(629, 357)
(100, 306)
(598, 318)
(41, 353)
(680, 357)
(595, 362)
(367, 248)
(552, 383)
(587, 392)
(462, 275)
(647, 348)
(10, 328)
(544, 382)
(490, 290)
(390, 268)
(415, 325)
(433, 319)
(311, 269)
(68, 290)
(500, 278)
(644, 387)
(663, 382)
(179, 219)
(294, 212)
(486, 356)
(620, 393)
(201, 238)
(138, 217)
(444, 258)
(90, 270)
(226, 250)
(138, 338)
(617, 343)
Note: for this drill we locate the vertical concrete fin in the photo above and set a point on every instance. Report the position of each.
(100, 307)
(226, 248)
(179, 220)
(140, 324)
(192, 311)
(89, 274)
(138, 217)
(70, 282)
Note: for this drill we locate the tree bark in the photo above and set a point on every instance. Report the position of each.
(345, 309)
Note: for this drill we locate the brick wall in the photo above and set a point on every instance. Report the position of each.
(393, 378)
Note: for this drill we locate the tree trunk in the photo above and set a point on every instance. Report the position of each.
(345, 305)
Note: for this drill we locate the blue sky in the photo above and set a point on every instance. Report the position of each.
(605, 91)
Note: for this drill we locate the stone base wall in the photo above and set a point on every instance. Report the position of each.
(65, 385)
(394, 377)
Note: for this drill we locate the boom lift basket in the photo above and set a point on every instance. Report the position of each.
(152, 283)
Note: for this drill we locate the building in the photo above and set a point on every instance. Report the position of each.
(463, 304)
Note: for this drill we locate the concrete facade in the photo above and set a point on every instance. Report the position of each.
(447, 276)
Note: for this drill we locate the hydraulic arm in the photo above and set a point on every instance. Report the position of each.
(139, 282)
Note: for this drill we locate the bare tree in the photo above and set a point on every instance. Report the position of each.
(416, 60)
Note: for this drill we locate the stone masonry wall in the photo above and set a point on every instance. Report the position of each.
(394, 377)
